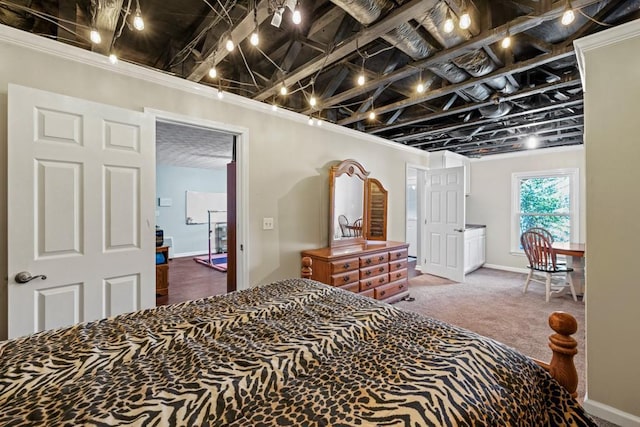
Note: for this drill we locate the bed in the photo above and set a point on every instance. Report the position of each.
(293, 352)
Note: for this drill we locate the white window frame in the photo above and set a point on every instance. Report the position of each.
(574, 194)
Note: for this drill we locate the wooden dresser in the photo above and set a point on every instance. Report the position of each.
(375, 269)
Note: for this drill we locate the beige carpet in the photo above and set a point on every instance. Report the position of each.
(491, 303)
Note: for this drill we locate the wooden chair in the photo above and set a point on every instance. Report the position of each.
(357, 227)
(542, 259)
(546, 233)
(344, 222)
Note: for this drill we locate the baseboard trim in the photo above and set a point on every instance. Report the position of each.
(187, 254)
(506, 268)
(610, 413)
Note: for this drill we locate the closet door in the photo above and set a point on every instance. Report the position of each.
(81, 194)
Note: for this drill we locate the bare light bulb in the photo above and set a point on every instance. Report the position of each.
(254, 39)
(420, 87)
(310, 121)
(220, 94)
(465, 21)
(532, 141)
(361, 80)
(568, 16)
(448, 25)
(313, 101)
(372, 115)
(274, 107)
(506, 42)
(138, 22)
(283, 90)
(229, 45)
(297, 17)
(213, 73)
(95, 36)
(319, 122)
(113, 58)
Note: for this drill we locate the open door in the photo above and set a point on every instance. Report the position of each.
(444, 220)
(81, 194)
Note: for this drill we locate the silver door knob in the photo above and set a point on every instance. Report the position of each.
(25, 276)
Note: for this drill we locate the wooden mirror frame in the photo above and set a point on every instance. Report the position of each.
(351, 168)
(376, 210)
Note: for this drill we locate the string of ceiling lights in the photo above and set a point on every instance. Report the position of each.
(279, 8)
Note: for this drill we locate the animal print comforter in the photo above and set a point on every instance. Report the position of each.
(291, 353)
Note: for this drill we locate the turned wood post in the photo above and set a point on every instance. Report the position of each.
(306, 268)
(564, 347)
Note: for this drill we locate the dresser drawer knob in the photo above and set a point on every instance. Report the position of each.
(381, 280)
(367, 273)
(401, 286)
(345, 279)
(399, 275)
(381, 258)
(368, 261)
(382, 293)
(398, 255)
(381, 269)
(346, 265)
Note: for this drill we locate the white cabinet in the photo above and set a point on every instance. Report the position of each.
(448, 159)
(474, 248)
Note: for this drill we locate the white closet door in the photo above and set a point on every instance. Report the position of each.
(80, 207)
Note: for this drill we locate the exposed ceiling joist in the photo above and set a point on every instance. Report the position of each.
(367, 35)
(557, 54)
(240, 32)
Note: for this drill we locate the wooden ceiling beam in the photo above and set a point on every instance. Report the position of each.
(106, 15)
(217, 52)
(488, 37)
(400, 15)
(559, 53)
(569, 82)
(476, 123)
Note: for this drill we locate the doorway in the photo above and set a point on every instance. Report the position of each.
(209, 159)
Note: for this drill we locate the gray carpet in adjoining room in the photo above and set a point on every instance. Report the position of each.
(491, 303)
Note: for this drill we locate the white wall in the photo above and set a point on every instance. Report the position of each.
(490, 200)
(288, 159)
(173, 182)
(612, 125)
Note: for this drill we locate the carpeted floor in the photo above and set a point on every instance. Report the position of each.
(491, 303)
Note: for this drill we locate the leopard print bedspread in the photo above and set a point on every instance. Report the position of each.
(291, 353)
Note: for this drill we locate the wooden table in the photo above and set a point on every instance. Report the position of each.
(575, 259)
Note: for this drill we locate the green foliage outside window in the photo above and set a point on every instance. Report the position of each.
(546, 202)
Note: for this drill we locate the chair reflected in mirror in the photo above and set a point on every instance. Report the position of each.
(542, 260)
(356, 228)
(343, 221)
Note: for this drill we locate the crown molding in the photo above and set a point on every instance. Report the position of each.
(24, 39)
(603, 38)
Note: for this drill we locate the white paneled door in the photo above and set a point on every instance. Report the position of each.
(80, 208)
(444, 214)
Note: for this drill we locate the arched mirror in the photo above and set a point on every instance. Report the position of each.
(348, 219)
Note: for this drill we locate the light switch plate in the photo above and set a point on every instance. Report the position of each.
(165, 201)
(267, 223)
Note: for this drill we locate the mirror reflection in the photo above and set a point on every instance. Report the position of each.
(348, 207)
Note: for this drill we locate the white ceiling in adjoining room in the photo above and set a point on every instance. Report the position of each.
(191, 146)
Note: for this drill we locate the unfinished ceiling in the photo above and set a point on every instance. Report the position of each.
(428, 88)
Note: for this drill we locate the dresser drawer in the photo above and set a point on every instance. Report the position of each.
(397, 265)
(373, 282)
(376, 270)
(368, 293)
(390, 289)
(345, 278)
(344, 265)
(366, 261)
(397, 275)
(351, 287)
(398, 255)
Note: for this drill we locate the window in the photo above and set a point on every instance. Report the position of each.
(547, 199)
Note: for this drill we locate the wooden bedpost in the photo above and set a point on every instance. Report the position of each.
(564, 347)
(306, 268)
